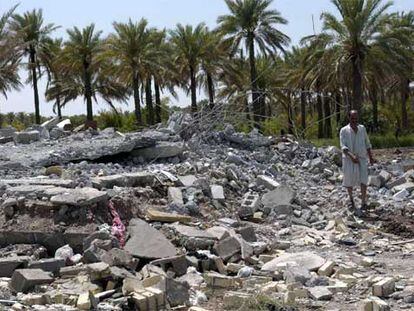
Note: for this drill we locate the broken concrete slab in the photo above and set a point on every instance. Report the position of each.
(218, 232)
(307, 260)
(79, 197)
(155, 215)
(24, 280)
(191, 232)
(63, 183)
(138, 179)
(147, 242)
(267, 182)
(9, 264)
(320, 293)
(49, 264)
(227, 248)
(160, 151)
(26, 137)
(280, 196)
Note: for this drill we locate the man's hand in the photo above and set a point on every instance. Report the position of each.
(354, 158)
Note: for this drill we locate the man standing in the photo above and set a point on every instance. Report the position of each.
(356, 151)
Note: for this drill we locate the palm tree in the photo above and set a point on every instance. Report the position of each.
(212, 63)
(87, 73)
(81, 57)
(32, 33)
(252, 22)
(189, 47)
(353, 36)
(50, 59)
(9, 58)
(132, 49)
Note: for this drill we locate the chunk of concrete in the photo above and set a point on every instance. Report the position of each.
(280, 196)
(9, 264)
(49, 264)
(191, 232)
(267, 182)
(217, 192)
(384, 288)
(79, 197)
(307, 260)
(296, 274)
(188, 180)
(175, 196)
(24, 280)
(227, 248)
(155, 215)
(320, 293)
(147, 242)
(160, 151)
(26, 137)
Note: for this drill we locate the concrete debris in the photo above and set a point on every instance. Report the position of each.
(214, 219)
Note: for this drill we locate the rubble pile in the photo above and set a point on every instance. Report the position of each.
(163, 219)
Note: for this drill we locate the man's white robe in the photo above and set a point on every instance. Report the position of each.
(357, 143)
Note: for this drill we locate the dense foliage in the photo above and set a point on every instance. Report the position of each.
(363, 59)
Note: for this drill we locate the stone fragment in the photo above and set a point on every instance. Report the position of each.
(396, 182)
(160, 151)
(49, 264)
(147, 242)
(384, 288)
(177, 292)
(385, 176)
(401, 195)
(374, 304)
(237, 300)
(327, 269)
(409, 186)
(98, 271)
(119, 257)
(9, 264)
(178, 264)
(84, 302)
(307, 260)
(218, 232)
(296, 274)
(155, 215)
(289, 297)
(191, 232)
(227, 248)
(375, 181)
(320, 293)
(26, 137)
(217, 192)
(24, 280)
(175, 196)
(280, 196)
(188, 180)
(79, 197)
(247, 233)
(267, 182)
(217, 280)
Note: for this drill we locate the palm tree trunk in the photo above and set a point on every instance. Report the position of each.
(210, 86)
(34, 79)
(247, 111)
(138, 115)
(338, 109)
(148, 101)
(327, 122)
(59, 109)
(320, 114)
(253, 80)
(157, 101)
(303, 111)
(405, 94)
(193, 89)
(374, 101)
(290, 116)
(356, 85)
(88, 91)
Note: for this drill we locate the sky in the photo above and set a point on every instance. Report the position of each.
(303, 17)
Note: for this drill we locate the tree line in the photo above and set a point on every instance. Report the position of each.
(361, 60)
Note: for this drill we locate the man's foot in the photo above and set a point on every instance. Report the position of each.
(359, 213)
(351, 205)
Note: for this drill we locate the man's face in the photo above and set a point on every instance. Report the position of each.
(353, 118)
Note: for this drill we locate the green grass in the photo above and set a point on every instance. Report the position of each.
(377, 141)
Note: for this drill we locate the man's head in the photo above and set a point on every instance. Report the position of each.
(353, 117)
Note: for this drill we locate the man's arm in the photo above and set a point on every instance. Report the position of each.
(344, 147)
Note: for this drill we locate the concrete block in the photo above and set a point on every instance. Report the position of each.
(384, 288)
(24, 280)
